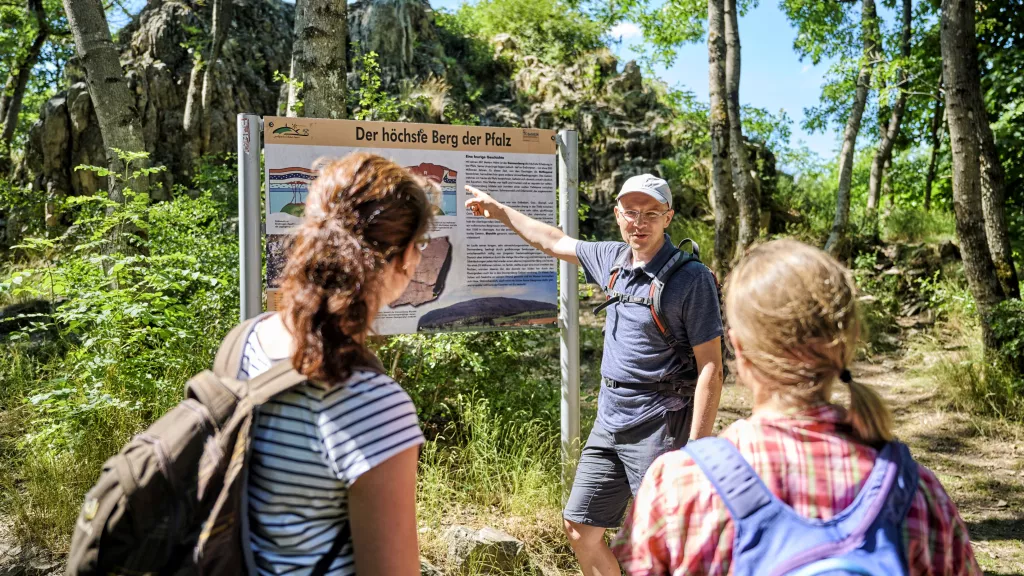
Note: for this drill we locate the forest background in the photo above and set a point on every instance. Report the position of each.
(118, 220)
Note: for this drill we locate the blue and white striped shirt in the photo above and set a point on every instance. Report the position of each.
(309, 445)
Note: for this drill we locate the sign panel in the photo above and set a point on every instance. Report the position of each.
(475, 273)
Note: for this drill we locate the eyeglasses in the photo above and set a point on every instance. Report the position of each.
(637, 216)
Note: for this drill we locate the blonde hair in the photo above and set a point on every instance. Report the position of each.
(793, 310)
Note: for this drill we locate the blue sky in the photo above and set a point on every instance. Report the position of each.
(771, 74)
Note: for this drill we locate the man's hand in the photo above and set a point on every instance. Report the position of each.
(546, 238)
(481, 204)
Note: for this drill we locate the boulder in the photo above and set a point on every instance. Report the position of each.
(484, 551)
(428, 569)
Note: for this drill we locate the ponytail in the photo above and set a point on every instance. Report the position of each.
(869, 416)
(361, 213)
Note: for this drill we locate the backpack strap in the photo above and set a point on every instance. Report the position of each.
(735, 482)
(611, 295)
(886, 496)
(674, 263)
(229, 355)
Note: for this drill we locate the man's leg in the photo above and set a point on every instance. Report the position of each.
(594, 556)
(600, 493)
(639, 447)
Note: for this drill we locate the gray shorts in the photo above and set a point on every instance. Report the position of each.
(612, 465)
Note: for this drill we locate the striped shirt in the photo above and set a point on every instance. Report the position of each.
(679, 525)
(309, 445)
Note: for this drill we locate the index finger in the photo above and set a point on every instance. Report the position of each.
(474, 191)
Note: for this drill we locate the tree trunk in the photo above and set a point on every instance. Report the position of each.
(20, 81)
(115, 106)
(721, 172)
(935, 137)
(892, 129)
(324, 39)
(836, 244)
(221, 25)
(295, 72)
(963, 88)
(5, 94)
(993, 203)
(747, 194)
(193, 102)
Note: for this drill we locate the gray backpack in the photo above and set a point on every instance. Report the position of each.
(171, 501)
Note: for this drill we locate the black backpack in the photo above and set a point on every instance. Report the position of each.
(678, 259)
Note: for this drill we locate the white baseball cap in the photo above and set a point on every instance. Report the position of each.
(649, 184)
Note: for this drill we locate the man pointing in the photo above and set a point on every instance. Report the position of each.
(661, 375)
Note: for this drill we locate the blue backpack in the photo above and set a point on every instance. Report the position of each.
(865, 539)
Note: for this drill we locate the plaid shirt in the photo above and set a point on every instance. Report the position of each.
(678, 525)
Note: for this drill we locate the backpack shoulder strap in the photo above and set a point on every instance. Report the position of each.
(887, 494)
(735, 482)
(282, 376)
(229, 355)
(611, 296)
(674, 263)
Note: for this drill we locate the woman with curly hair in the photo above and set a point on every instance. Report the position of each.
(332, 475)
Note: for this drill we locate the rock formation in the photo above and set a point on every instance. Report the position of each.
(154, 46)
(624, 127)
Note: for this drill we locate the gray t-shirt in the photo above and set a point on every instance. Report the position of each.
(634, 349)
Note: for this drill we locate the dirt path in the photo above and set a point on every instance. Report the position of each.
(979, 461)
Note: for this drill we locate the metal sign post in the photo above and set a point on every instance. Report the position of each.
(569, 308)
(250, 262)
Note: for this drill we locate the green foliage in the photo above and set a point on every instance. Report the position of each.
(912, 224)
(143, 294)
(549, 29)
(22, 210)
(517, 371)
(298, 106)
(374, 102)
(879, 301)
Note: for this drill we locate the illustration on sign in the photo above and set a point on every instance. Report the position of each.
(428, 281)
(446, 179)
(474, 273)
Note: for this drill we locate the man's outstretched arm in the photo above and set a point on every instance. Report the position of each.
(544, 237)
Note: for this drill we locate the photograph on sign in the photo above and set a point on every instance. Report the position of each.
(475, 274)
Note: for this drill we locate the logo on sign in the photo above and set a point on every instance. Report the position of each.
(289, 130)
(531, 135)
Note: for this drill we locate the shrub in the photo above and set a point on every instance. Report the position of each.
(912, 224)
(143, 294)
(548, 29)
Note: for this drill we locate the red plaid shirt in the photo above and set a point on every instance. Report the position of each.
(679, 525)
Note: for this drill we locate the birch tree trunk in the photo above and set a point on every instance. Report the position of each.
(836, 244)
(993, 204)
(324, 39)
(293, 108)
(935, 137)
(747, 194)
(721, 171)
(196, 121)
(963, 87)
(221, 25)
(12, 107)
(892, 129)
(115, 106)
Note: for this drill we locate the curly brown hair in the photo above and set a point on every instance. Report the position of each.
(361, 213)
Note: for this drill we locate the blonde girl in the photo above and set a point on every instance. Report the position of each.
(792, 315)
